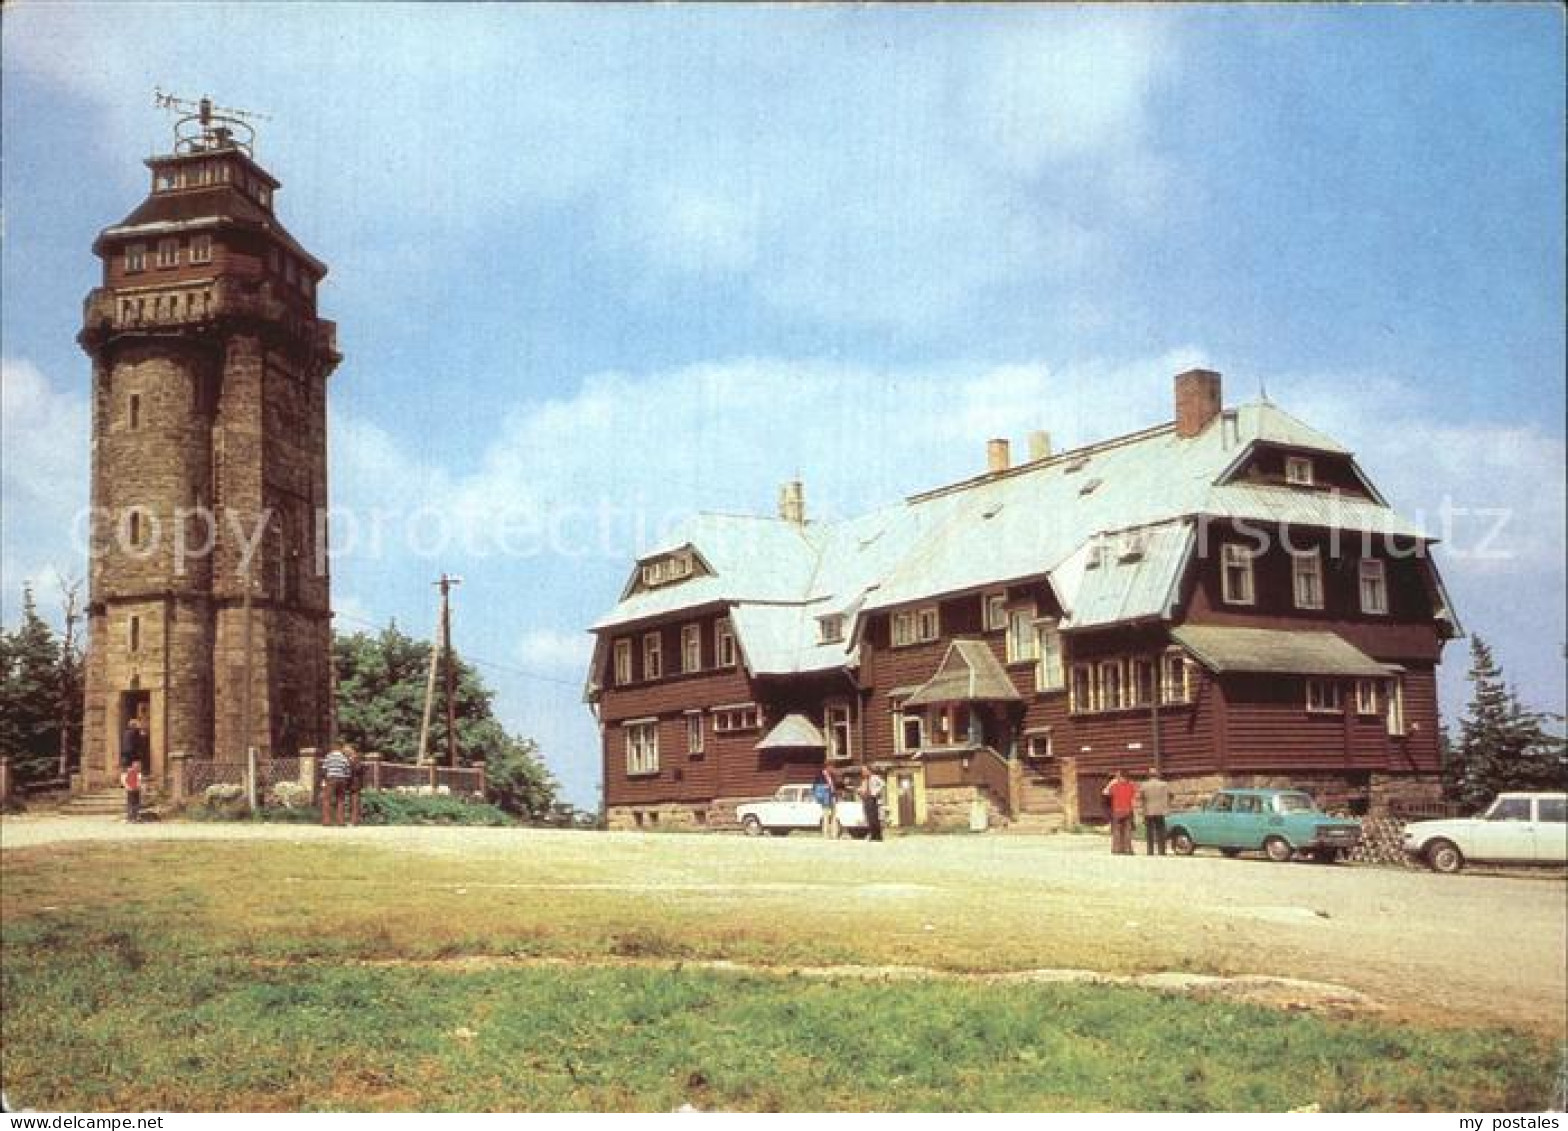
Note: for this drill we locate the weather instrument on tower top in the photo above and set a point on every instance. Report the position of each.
(204, 127)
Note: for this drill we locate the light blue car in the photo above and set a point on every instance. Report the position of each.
(1280, 822)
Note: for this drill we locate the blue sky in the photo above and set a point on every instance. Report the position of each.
(595, 268)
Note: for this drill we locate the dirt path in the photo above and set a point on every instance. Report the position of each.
(1467, 949)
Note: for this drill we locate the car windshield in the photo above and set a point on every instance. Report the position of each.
(1294, 803)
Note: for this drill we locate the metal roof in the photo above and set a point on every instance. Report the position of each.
(1032, 521)
(969, 673)
(793, 732)
(1276, 651)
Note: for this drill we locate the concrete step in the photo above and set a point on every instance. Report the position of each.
(103, 802)
(1035, 823)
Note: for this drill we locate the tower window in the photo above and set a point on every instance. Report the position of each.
(201, 249)
(168, 253)
(135, 257)
(164, 181)
(135, 410)
(136, 634)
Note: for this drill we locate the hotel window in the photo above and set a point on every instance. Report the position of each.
(168, 253)
(746, 716)
(1038, 744)
(1307, 570)
(1298, 471)
(1236, 574)
(995, 611)
(1020, 635)
(1083, 688)
(724, 643)
(691, 648)
(623, 662)
(1396, 706)
(1111, 685)
(201, 249)
(1366, 696)
(830, 629)
(642, 747)
(1140, 685)
(1174, 687)
(1048, 645)
(928, 623)
(909, 731)
(136, 257)
(916, 626)
(838, 724)
(1323, 695)
(1374, 586)
(652, 656)
(694, 732)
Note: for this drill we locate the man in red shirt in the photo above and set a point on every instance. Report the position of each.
(1122, 794)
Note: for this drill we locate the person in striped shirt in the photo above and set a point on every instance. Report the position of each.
(335, 774)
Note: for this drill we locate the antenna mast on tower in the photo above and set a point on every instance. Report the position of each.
(203, 126)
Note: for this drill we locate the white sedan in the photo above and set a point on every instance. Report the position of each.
(794, 807)
(1517, 828)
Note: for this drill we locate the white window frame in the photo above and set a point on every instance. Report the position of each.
(201, 249)
(1085, 699)
(1143, 681)
(1366, 696)
(725, 652)
(168, 252)
(135, 258)
(1110, 695)
(1306, 578)
(834, 715)
(1045, 738)
(1020, 635)
(1172, 664)
(736, 717)
(1049, 672)
(903, 629)
(694, 733)
(830, 628)
(1299, 471)
(928, 623)
(1234, 556)
(642, 747)
(902, 720)
(691, 648)
(1324, 697)
(994, 605)
(652, 655)
(1372, 577)
(623, 662)
(1394, 714)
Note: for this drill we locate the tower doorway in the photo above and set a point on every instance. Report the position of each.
(134, 706)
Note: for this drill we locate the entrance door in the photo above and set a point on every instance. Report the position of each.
(137, 706)
(904, 793)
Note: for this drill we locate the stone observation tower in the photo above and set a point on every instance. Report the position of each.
(209, 591)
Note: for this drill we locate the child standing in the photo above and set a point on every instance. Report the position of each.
(131, 779)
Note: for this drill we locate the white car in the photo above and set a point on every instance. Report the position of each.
(1517, 828)
(793, 807)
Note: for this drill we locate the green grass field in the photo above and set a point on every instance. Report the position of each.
(284, 976)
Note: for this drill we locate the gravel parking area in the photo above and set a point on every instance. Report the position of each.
(1464, 950)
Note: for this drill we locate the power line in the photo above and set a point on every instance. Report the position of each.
(477, 660)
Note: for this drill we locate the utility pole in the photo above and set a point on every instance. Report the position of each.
(70, 673)
(445, 585)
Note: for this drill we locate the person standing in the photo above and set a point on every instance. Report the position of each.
(871, 790)
(825, 793)
(356, 782)
(1155, 793)
(1122, 794)
(133, 742)
(131, 779)
(335, 774)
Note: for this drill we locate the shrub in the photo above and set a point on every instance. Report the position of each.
(289, 795)
(387, 807)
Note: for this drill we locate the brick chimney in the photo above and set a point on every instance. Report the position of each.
(792, 502)
(998, 456)
(1197, 401)
(1039, 446)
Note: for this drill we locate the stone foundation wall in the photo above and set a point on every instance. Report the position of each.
(670, 817)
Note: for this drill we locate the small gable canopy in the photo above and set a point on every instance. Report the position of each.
(969, 673)
(793, 732)
(1264, 650)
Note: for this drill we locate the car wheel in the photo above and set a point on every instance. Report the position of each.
(1181, 843)
(751, 826)
(1231, 852)
(1278, 849)
(1444, 856)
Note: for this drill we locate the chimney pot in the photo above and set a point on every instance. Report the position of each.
(997, 456)
(1198, 401)
(792, 502)
(1039, 445)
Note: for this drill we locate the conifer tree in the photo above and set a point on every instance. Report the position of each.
(1502, 744)
(30, 673)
